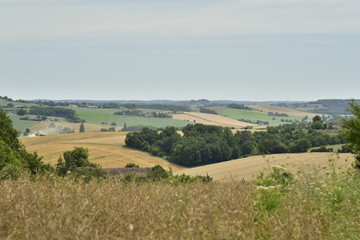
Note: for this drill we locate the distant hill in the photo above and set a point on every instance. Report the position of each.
(323, 106)
(200, 102)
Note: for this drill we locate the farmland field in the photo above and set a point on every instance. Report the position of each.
(288, 111)
(211, 119)
(252, 115)
(21, 125)
(107, 116)
(106, 149)
(247, 168)
(43, 127)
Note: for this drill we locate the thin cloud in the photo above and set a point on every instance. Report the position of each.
(63, 18)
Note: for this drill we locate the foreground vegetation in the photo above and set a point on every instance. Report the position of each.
(309, 207)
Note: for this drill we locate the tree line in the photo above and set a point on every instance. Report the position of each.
(135, 112)
(68, 114)
(202, 144)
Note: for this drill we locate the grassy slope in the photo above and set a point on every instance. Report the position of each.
(106, 149)
(107, 116)
(247, 168)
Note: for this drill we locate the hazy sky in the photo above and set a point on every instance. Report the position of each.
(180, 49)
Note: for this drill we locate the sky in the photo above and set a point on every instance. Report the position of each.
(258, 50)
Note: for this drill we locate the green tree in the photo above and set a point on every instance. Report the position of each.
(27, 132)
(82, 128)
(13, 155)
(301, 145)
(21, 112)
(317, 123)
(157, 173)
(71, 160)
(352, 131)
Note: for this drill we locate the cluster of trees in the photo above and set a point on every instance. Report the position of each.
(132, 112)
(139, 113)
(276, 114)
(238, 106)
(68, 114)
(202, 144)
(158, 115)
(110, 129)
(259, 122)
(207, 110)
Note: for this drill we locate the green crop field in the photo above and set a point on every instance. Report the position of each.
(252, 115)
(107, 116)
(21, 125)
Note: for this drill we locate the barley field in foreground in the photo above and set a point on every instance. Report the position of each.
(314, 206)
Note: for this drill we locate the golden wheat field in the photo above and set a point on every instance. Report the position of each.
(288, 111)
(211, 119)
(107, 149)
(248, 168)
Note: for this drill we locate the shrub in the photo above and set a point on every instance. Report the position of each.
(131, 165)
(73, 160)
(157, 173)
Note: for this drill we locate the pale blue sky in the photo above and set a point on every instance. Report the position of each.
(180, 49)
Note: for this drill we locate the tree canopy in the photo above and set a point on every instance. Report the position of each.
(203, 144)
(352, 131)
(14, 158)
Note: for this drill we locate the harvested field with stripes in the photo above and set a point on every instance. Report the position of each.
(212, 119)
(106, 149)
(248, 168)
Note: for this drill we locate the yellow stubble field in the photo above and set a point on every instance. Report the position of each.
(107, 149)
(211, 119)
(248, 168)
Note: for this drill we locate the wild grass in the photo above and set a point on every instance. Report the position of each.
(312, 207)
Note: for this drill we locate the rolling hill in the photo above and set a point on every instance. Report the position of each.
(211, 119)
(247, 168)
(288, 111)
(106, 149)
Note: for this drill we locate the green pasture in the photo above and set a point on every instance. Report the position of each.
(107, 116)
(21, 125)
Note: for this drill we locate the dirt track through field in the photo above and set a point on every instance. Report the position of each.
(106, 149)
(247, 168)
(211, 119)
